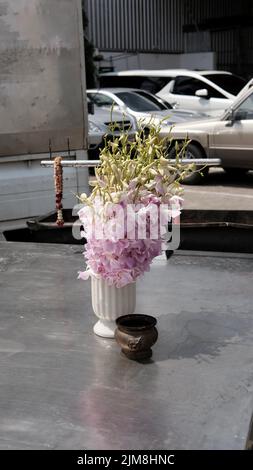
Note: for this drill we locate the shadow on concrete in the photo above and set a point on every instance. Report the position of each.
(220, 177)
(201, 336)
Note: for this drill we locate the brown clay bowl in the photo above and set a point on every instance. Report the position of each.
(136, 334)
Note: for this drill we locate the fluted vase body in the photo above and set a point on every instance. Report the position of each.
(109, 303)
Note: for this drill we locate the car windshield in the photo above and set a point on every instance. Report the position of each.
(138, 103)
(230, 83)
(100, 100)
(158, 101)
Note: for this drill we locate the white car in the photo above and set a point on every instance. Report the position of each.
(207, 91)
(146, 108)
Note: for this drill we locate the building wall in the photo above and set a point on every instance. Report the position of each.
(136, 25)
(195, 11)
(223, 26)
(173, 27)
(150, 61)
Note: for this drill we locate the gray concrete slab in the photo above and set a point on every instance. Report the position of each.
(221, 192)
(64, 388)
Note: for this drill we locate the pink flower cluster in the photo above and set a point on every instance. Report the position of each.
(117, 253)
(120, 262)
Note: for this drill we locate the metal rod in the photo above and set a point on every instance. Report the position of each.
(93, 163)
(72, 163)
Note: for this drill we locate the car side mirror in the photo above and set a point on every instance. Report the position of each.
(202, 93)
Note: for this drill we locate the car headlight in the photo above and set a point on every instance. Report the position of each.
(94, 127)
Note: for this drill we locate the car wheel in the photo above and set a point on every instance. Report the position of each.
(192, 151)
(236, 171)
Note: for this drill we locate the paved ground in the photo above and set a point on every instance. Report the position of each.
(64, 388)
(220, 191)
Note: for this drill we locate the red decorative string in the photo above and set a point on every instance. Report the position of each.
(58, 181)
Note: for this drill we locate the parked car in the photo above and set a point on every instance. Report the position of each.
(228, 137)
(104, 122)
(143, 106)
(205, 91)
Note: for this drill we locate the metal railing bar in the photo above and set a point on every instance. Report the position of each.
(94, 163)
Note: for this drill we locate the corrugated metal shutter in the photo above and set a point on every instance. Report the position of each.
(136, 25)
(157, 26)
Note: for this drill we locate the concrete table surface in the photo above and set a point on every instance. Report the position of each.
(64, 388)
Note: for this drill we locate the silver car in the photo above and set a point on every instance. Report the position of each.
(107, 123)
(146, 108)
(228, 137)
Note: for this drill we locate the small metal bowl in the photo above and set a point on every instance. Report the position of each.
(136, 334)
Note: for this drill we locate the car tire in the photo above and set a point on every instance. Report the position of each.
(193, 151)
(235, 171)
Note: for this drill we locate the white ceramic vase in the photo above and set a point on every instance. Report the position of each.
(109, 303)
